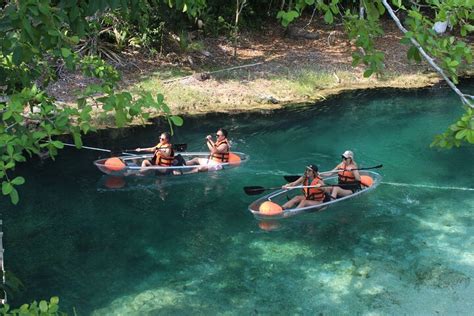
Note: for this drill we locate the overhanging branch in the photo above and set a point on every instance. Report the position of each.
(464, 97)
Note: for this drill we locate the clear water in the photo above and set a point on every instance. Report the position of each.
(189, 245)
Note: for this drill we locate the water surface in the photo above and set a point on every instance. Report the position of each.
(189, 246)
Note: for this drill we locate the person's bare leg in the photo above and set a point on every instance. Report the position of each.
(293, 201)
(192, 162)
(305, 203)
(338, 192)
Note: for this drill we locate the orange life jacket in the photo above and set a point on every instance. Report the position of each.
(160, 158)
(221, 157)
(314, 194)
(345, 176)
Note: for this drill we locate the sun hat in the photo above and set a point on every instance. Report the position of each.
(312, 167)
(348, 154)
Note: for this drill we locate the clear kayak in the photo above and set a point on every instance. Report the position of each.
(279, 197)
(130, 165)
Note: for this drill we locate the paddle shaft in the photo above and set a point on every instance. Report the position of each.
(291, 178)
(254, 190)
(97, 149)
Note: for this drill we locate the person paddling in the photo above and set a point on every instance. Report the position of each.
(219, 153)
(348, 176)
(163, 153)
(311, 196)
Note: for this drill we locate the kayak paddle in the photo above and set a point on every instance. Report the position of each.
(294, 178)
(97, 149)
(255, 190)
(177, 147)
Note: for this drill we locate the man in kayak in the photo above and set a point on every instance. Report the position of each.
(348, 176)
(219, 149)
(163, 153)
(311, 196)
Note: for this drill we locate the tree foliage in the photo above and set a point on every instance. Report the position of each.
(447, 54)
(42, 307)
(36, 38)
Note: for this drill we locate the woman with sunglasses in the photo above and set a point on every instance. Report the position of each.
(311, 196)
(163, 153)
(219, 153)
(348, 176)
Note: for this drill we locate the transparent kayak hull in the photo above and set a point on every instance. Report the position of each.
(281, 196)
(132, 165)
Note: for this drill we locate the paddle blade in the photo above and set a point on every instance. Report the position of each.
(368, 168)
(253, 190)
(180, 147)
(291, 178)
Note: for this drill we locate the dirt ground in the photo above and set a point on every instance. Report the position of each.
(201, 83)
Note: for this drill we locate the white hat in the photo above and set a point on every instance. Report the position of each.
(348, 154)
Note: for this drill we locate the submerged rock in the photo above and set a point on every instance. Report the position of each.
(441, 277)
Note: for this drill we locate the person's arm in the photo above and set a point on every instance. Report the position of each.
(166, 151)
(330, 172)
(149, 149)
(210, 144)
(294, 183)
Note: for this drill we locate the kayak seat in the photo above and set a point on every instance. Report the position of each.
(179, 160)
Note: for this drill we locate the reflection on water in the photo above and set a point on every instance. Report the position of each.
(188, 245)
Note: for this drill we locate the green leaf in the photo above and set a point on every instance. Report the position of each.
(77, 140)
(10, 149)
(43, 305)
(177, 120)
(58, 144)
(461, 134)
(14, 196)
(328, 17)
(165, 108)
(453, 63)
(309, 2)
(65, 52)
(7, 115)
(6, 187)
(160, 98)
(368, 73)
(18, 181)
(54, 300)
(470, 136)
(74, 39)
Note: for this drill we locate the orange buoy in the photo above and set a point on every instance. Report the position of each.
(113, 182)
(366, 180)
(234, 159)
(114, 164)
(270, 208)
(268, 225)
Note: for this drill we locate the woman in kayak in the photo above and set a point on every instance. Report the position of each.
(311, 196)
(163, 153)
(348, 176)
(219, 149)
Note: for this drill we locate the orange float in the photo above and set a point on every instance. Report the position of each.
(114, 164)
(113, 182)
(366, 180)
(234, 159)
(270, 208)
(268, 225)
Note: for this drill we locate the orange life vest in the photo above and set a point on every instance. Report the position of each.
(314, 194)
(221, 157)
(345, 176)
(160, 158)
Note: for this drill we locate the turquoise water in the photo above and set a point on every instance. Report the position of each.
(188, 245)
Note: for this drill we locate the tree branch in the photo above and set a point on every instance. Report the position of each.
(427, 57)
